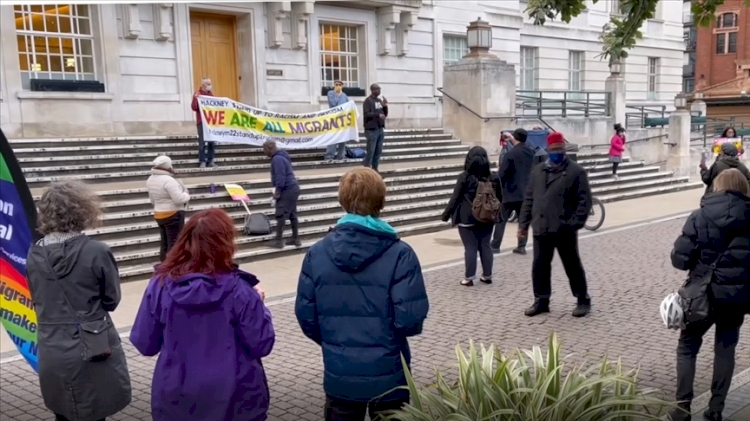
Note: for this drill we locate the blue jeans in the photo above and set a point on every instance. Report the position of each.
(374, 147)
(202, 146)
(336, 151)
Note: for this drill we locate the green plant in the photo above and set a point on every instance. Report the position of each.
(526, 386)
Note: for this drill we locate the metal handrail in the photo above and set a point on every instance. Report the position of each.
(571, 102)
(462, 105)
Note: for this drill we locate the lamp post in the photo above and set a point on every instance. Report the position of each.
(479, 39)
(615, 67)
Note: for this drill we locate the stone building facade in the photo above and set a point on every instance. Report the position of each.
(140, 63)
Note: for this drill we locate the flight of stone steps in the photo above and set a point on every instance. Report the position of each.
(419, 166)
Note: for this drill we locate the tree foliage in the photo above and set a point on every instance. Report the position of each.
(623, 30)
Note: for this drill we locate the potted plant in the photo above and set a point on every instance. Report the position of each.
(529, 386)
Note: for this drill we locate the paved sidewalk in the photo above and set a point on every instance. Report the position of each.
(629, 274)
(738, 402)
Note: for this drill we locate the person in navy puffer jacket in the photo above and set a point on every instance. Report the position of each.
(360, 296)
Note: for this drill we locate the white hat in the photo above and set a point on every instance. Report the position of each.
(163, 161)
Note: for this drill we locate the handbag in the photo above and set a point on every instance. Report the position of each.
(93, 335)
(257, 224)
(696, 304)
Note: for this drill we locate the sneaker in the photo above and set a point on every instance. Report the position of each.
(581, 310)
(712, 416)
(276, 244)
(329, 160)
(293, 242)
(496, 250)
(520, 250)
(616, 177)
(484, 280)
(202, 165)
(681, 413)
(467, 283)
(212, 164)
(539, 307)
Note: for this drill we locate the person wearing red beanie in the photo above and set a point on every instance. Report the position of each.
(556, 205)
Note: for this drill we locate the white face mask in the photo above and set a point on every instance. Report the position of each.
(208, 88)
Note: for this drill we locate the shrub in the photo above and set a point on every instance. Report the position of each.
(526, 386)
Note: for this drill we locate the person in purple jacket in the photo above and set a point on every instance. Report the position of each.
(207, 321)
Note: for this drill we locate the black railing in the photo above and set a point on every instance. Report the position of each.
(562, 103)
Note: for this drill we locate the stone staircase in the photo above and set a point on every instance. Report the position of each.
(419, 166)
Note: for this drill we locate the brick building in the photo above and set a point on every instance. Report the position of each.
(722, 60)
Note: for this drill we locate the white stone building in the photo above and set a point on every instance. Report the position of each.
(149, 58)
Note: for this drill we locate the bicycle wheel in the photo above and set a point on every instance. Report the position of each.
(596, 216)
(513, 216)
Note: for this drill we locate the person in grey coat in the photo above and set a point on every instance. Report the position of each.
(74, 284)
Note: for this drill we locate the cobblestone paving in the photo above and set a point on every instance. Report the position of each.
(629, 273)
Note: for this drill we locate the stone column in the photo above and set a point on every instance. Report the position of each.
(678, 160)
(615, 85)
(698, 107)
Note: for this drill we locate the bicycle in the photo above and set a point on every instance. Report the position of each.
(597, 209)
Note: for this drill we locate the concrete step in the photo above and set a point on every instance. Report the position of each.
(683, 184)
(123, 140)
(34, 180)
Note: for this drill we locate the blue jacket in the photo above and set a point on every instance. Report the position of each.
(360, 295)
(336, 100)
(282, 175)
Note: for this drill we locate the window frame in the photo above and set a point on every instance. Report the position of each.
(524, 69)
(720, 20)
(451, 36)
(653, 66)
(322, 52)
(725, 43)
(580, 72)
(28, 37)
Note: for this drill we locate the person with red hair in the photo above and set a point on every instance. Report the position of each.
(207, 321)
(556, 205)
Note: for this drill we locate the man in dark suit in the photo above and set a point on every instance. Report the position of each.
(514, 172)
(556, 206)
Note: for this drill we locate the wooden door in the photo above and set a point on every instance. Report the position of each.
(215, 53)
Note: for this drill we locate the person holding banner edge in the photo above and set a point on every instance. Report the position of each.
(336, 97)
(286, 192)
(205, 149)
(375, 111)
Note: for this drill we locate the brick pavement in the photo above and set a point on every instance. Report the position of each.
(629, 273)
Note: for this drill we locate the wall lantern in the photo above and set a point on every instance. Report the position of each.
(479, 36)
(615, 67)
(680, 102)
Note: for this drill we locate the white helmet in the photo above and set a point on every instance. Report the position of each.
(671, 312)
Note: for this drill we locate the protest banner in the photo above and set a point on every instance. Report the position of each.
(225, 120)
(17, 233)
(237, 193)
(722, 140)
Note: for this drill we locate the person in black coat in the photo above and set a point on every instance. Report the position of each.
(718, 235)
(475, 235)
(728, 158)
(514, 173)
(556, 206)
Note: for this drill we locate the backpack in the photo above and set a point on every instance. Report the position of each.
(355, 153)
(485, 206)
(257, 224)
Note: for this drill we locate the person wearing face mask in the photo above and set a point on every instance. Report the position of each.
(336, 97)
(205, 149)
(556, 205)
(728, 158)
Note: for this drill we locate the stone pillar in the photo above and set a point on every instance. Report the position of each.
(486, 86)
(615, 85)
(698, 107)
(678, 160)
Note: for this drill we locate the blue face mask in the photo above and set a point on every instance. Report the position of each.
(556, 157)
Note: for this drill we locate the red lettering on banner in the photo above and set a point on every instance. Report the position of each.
(213, 117)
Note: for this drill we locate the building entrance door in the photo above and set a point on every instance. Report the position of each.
(214, 53)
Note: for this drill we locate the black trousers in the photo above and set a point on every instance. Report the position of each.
(61, 418)
(497, 238)
(169, 230)
(338, 410)
(286, 208)
(566, 244)
(476, 239)
(728, 323)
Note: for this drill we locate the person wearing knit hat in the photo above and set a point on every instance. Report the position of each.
(169, 197)
(556, 205)
(728, 158)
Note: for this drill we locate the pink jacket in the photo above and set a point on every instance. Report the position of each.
(617, 146)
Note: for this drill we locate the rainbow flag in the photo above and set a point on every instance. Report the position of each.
(17, 219)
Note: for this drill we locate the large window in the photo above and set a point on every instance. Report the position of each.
(614, 7)
(728, 20)
(339, 55)
(726, 43)
(529, 68)
(576, 60)
(454, 48)
(55, 41)
(653, 78)
(688, 85)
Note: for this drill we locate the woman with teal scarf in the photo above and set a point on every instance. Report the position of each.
(360, 296)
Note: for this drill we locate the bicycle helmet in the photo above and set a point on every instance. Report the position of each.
(671, 312)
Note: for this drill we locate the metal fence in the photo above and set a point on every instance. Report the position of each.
(562, 103)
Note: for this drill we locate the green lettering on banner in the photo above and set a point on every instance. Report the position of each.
(235, 120)
(272, 127)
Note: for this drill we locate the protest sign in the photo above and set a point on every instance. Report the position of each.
(237, 193)
(225, 120)
(722, 140)
(17, 222)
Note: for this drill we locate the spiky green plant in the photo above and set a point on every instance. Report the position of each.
(527, 386)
